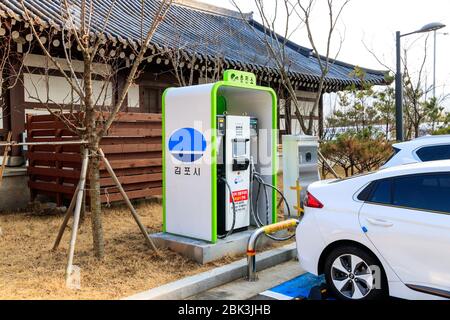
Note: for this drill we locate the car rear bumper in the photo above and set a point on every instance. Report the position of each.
(310, 243)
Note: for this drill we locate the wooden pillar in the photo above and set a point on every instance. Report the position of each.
(4, 104)
(16, 105)
(3, 121)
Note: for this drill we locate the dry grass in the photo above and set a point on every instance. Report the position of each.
(30, 270)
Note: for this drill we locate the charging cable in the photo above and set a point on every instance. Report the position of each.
(234, 209)
(255, 176)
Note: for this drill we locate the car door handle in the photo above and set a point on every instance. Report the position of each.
(379, 222)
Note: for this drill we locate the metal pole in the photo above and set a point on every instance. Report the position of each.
(251, 255)
(434, 65)
(325, 161)
(399, 91)
(76, 215)
(66, 218)
(251, 246)
(128, 202)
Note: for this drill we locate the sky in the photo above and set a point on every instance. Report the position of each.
(371, 24)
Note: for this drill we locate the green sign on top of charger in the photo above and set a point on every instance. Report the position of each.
(241, 77)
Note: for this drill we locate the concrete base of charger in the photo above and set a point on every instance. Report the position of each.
(204, 252)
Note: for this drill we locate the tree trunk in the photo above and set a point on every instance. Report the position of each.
(94, 163)
(288, 114)
(317, 106)
(321, 117)
(94, 185)
(96, 212)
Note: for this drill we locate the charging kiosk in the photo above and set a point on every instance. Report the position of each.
(214, 137)
(300, 160)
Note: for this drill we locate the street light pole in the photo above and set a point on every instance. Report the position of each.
(398, 76)
(399, 91)
(434, 65)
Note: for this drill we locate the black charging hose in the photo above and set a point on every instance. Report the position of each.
(256, 217)
(257, 177)
(234, 210)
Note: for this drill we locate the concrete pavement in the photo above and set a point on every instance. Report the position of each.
(194, 285)
(241, 289)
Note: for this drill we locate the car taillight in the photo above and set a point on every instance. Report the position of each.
(312, 202)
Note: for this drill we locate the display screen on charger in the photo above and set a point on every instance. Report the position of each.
(239, 149)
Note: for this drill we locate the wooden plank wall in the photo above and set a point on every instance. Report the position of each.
(133, 146)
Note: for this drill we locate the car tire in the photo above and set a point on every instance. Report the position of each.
(351, 274)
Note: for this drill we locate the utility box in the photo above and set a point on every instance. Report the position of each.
(300, 163)
(214, 137)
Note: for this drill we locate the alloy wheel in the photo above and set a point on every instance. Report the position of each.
(352, 276)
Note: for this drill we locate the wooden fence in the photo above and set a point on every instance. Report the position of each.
(133, 146)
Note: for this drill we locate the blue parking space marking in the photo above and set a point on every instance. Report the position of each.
(299, 287)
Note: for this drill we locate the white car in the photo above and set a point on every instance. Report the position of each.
(384, 233)
(428, 148)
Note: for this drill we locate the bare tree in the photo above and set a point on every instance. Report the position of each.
(284, 17)
(417, 107)
(334, 13)
(414, 95)
(276, 45)
(83, 52)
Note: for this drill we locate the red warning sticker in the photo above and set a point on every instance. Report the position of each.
(240, 196)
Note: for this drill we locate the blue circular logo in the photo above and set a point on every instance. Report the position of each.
(187, 145)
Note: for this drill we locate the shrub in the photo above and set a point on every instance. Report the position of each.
(357, 152)
(442, 131)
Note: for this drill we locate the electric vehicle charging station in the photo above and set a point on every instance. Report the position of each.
(300, 159)
(217, 139)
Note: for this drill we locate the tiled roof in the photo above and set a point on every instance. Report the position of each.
(198, 28)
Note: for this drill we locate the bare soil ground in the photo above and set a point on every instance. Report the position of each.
(30, 270)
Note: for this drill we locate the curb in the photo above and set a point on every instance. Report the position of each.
(193, 285)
